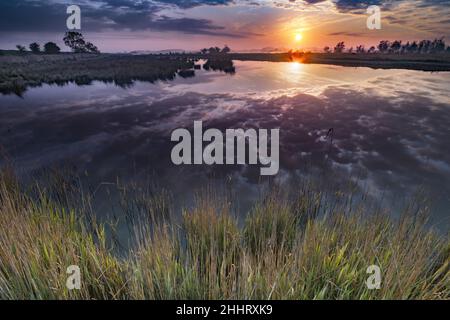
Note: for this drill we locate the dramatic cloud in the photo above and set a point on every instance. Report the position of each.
(107, 14)
(265, 23)
(359, 5)
(195, 3)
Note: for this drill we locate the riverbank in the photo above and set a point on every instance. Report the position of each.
(420, 62)
(282, 250)
(22, 71)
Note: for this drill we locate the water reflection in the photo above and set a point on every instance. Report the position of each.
(390, 127)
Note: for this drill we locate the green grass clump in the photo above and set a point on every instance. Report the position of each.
(282, 250)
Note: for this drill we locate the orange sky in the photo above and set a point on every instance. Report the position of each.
(127, 25)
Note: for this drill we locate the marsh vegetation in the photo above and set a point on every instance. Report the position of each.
(283, 249)
(20, 71)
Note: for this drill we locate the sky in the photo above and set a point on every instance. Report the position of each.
(244, 25)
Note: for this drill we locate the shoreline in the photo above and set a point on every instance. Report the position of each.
(23, 71)
(417, 62)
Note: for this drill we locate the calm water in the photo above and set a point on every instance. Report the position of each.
(391, 127)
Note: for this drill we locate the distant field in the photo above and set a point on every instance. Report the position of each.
(21, 71)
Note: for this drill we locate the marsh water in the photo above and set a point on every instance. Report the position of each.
(390, 129)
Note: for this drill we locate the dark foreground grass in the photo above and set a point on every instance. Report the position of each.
(281, 251)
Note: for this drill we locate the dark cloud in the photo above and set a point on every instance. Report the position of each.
(345, 33)
(352, 5)
(358, 5)
(195, 3)
(50, 16)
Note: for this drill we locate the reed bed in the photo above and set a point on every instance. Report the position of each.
(281, 250)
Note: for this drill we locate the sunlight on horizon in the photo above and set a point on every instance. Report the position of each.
(295, 68)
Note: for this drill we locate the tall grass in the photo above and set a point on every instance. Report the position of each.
(21, 72)
(282, 250)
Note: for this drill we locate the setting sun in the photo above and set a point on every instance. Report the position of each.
(298, 37)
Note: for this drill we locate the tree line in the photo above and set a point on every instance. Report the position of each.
(215, 50)
(72, 39)
(397, 46)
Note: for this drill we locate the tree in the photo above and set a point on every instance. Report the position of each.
(75, 41)
(372, 49)
(414, 47)
(204, 51)
(21, 48)
(405, 47)
(340, 47)
(327, 49)
(383, 46)
(360, 49)
(396, 46)
(423, 46)
(91, 48)
(51, 48)
(438, 45)
(226, 49)
(35, 47)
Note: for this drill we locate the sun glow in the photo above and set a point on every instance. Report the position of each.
(295, 66)
(298, 37)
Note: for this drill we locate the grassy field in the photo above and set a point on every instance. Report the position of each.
(19, 72)
(282, 249)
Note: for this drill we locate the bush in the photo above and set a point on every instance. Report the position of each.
(51, 48)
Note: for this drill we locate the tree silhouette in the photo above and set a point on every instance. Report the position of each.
(340, 47)
(414, 47)
(396, 46)
(75, 41)
(383, 46)
(35, 47)
(51, 48)
(438, 45)
(91, 48)
(21, 48)
(226, 49)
